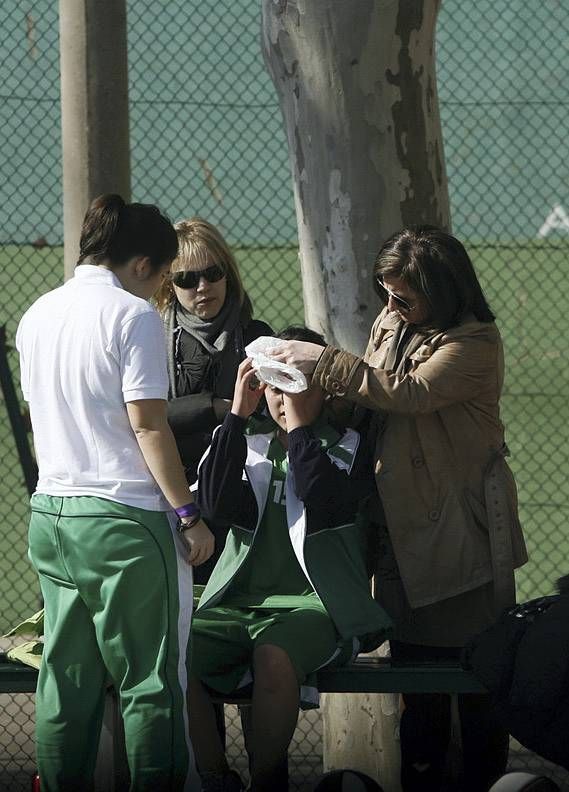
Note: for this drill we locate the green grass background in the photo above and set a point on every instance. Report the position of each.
(527, 288)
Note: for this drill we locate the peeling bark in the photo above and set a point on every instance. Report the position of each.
(357, 88)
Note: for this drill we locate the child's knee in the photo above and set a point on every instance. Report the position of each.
(273, 667)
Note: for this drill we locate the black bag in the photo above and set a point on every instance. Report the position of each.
(523, 661)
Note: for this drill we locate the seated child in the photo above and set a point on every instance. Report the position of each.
(290, 593)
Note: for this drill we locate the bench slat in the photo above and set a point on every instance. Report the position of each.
(16, 677)
(364, 675)
(379, 675)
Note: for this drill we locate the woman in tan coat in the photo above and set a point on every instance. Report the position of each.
(449, 533)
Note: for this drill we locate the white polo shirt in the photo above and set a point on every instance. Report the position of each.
(86, 349)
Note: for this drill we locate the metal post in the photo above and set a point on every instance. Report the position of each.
(17, 422)
(94, 109)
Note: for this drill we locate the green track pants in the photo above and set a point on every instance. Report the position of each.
(118, 597)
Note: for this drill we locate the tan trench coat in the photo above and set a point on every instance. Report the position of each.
(449, 498)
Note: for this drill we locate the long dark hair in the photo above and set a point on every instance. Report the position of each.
(115, 231)
(436, 265)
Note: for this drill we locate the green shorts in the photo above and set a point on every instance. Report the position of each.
(223, 641)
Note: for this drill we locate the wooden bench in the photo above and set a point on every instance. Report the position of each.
(364, 675)
(381, 675)
(16, 677)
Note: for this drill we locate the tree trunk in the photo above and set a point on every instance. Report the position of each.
(357, 89)
(361, 731)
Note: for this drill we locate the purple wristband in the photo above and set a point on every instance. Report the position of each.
(189, 510)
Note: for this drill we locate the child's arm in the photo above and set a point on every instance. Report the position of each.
(321, 484)
(318, 481)
(223, 496)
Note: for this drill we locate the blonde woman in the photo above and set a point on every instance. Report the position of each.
(208, 319)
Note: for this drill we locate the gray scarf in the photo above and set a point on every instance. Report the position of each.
(213, 334)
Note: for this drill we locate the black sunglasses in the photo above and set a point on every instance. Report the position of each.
(189, 279)
(399, 301)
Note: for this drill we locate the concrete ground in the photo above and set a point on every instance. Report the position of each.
(17, 763)
(305, 757)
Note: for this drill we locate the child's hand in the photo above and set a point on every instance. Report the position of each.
(248, 390)
(302, 409)
(293, 407)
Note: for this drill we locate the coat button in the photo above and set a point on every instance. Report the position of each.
(417, 462)
(434, 515)
(336, 388)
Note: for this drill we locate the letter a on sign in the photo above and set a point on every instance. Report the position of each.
(557, 219)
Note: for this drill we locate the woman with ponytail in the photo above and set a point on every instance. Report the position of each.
(114, 531)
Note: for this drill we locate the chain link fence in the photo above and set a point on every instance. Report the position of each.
(30, 196)
(207, 138)
(504, 93)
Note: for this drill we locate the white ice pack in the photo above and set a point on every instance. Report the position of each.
(273, 372)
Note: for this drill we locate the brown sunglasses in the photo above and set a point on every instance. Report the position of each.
(402, 304)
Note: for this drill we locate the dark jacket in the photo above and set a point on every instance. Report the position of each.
(329, 476)
(200, 380)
